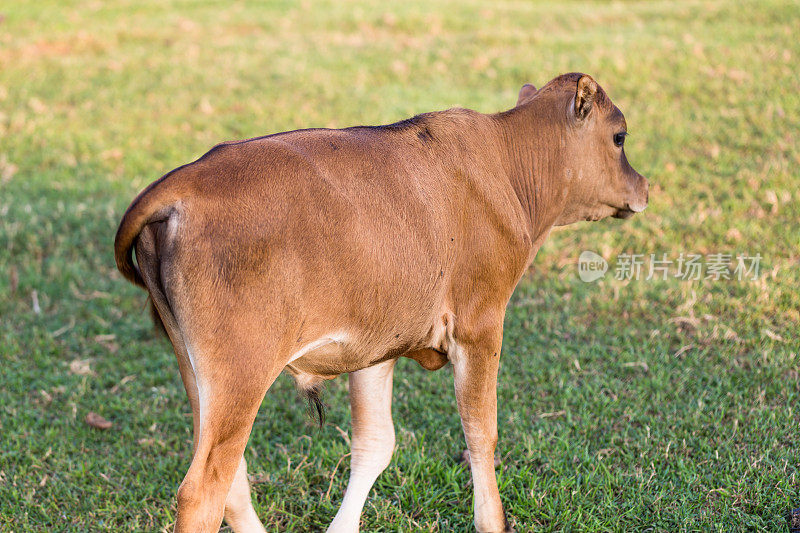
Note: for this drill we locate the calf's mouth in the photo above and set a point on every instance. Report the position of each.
(624, 213)
(630, 209)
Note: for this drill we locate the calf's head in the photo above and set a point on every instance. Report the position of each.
(598, 181)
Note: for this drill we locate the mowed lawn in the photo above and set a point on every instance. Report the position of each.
(624, 405)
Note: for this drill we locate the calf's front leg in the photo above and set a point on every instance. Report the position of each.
(372, 440)
(475, 366)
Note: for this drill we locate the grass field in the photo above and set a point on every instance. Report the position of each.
(666, 405)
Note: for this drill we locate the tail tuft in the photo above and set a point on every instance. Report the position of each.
(158, 324)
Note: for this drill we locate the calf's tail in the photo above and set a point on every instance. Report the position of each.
(154, 204)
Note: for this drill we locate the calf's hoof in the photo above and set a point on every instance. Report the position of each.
(507, 527)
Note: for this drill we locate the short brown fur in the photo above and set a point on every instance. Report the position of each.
(325, 252)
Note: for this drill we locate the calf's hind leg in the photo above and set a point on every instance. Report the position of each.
(239, 512)
(372, 440)
(238, 506)
(231, 384)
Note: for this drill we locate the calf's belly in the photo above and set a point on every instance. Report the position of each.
(343, 350)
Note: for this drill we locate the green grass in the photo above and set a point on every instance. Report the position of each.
(701, 433)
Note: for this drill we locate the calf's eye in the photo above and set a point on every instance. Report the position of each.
(619, 138)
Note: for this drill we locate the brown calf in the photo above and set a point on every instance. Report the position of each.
(330, 251)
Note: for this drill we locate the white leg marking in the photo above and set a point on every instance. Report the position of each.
(372, 440)
(480, 434)
(239, 512)
(202, 404)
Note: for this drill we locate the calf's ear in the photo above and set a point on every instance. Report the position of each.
(584, 96)
(526, 93)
